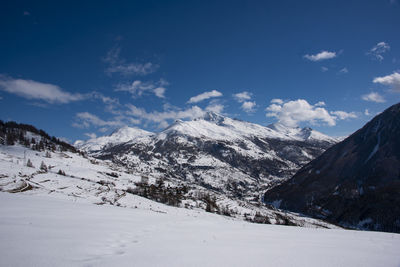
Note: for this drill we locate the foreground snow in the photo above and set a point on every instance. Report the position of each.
(43, 231)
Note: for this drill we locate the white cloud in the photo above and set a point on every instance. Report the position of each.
(163, 124)
(161, 118)
(366, 112)
(91, 135)
(159, 92)
(138, 88)
(105, 99)
(373, 97)
(292, 113)
(324, 69)
(320, 104)
(248, 106)
(378, 50)
(321, 56)
(277, 101)
(392, 80)
(130, 114)
(118, 65)
(87, 119)
(343, 115)
(217, 108)
(111, 104)
(133, 68)
(204, 96)
(344, 70)
(134, 121)
(36, 90)
(243, 96)
(169, 107)
(274, 108)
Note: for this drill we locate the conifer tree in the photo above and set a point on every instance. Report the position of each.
(43, 167)
(10, 139)
(29, 163)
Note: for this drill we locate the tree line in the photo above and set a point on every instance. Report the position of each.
(12, 132)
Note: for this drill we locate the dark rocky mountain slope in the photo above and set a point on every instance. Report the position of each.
(355, 183)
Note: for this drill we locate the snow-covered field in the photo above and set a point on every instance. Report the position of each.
(50, 219)
(44, 231)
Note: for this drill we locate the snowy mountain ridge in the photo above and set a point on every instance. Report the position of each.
(239, 158)
(303, 134)
(212, 126)
(119, 136)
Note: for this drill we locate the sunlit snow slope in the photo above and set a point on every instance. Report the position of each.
(41, 231)
(103, 182)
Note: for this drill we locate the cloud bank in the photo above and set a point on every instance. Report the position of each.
(87, 119)
(30, 89)
(292, 113)
(138, 88)
(392, 80)
(162, 117)
(373, 97)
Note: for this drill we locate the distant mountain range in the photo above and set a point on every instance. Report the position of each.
(206, 164)
(238, 158)
(355, 183)
(223, 165)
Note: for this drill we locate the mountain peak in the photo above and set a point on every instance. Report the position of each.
(120, 135)
(305, 133)
(280, 127)
(213, 117)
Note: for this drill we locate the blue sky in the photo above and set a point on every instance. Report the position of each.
(80, 69)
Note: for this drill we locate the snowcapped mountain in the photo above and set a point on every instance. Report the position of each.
(239, 158)
(33, 163)
(119, 136)
(302, 134)
(355, 183)
(217, 127)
